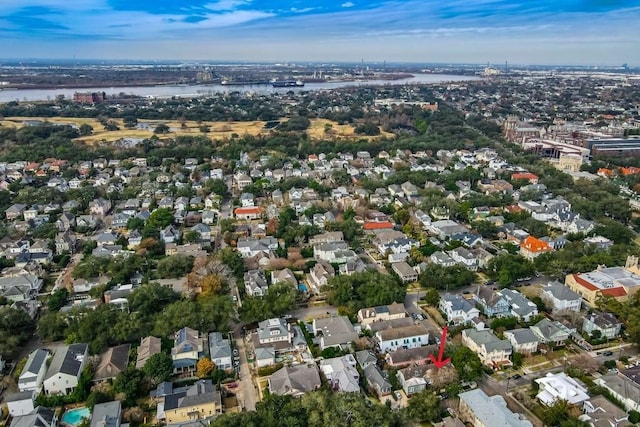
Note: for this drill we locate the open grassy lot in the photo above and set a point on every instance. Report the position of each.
(319, 129)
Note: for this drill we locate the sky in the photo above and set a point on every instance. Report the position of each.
(586, 32)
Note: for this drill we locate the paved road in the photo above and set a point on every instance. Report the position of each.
(247, 393)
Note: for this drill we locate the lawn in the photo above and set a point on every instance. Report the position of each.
(217, 130)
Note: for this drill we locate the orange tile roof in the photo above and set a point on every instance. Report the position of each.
(629, 171)
(605, 172)
(614, 292)
(535, 245)
(374, 225)
(584, 283)
(248, 210)
(524, 175)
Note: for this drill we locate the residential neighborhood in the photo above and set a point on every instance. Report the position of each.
(181, 285)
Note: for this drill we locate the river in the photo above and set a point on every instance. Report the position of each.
(198, 90)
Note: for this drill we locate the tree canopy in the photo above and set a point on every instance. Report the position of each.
(365, 289)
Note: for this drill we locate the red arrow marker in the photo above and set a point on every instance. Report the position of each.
(439, 362)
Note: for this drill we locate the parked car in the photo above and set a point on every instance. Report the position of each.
(607, 353)
(235, 352)
(397, 394)
(232, 385)
(516, 377)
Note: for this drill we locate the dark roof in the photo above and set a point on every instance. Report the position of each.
(68, 360)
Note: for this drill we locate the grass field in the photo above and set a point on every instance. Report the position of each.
(319, 129)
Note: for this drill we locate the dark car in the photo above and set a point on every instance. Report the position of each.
(608, 353)
(516, 377)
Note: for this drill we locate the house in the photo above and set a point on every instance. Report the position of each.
(273, 331)
(240, 181)
(366, 358)
(113, 361)
(320, 275)
(284, 276)
(341, 373)
(39, 417)
(255, 283)
(106, 239)
(406, 273)
(391, 337)
(335, 331)
(605, 323)
(34, 370)
(14, 211)
(295, 380)
(204, 232)
(170, 234)
(107, 414)
(65, 242)
(334, 253)
(100, 207)
(457, 310)
(442, 259)
(377, 380)
(220, 351)
(492, 303)
(528, 176)
(265, 356)
(187, 350)
(65, 369)
(551, 333)
(249, 247)
(480, 410)
(624, 386)
(556, 387)
(197, 403)
(532, 247)
(491, 350)
(21, 403)
(519, 305)
(560, 298)
(380, 313)
(464, 257)
(523, 340)
(248, 213)
(412, 379)
(411, 356)
(147, 348)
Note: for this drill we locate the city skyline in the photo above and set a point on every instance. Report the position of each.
(595, 32)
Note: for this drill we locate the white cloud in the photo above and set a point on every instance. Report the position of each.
(348, 4)
(226, 4)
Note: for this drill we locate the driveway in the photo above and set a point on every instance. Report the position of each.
(247, 393)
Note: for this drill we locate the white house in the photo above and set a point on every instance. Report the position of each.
(21, 403)
(65, 369)
(220, 351)
(411, 336)
(33, 372)
(458, 310)
(560, 386)
(560, 297)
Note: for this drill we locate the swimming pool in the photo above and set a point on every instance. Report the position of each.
(302, 287)
(74, 417)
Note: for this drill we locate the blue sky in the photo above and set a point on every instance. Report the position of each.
(520, 31)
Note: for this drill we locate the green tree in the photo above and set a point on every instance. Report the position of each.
(161, 129)
(160, 218)
(16, 327)
(432, 297)
(175, 266)
(58, 299)
(467, 364)
(424, 407)
(151, 298)
(159, 367)
(131, 382)
(218, 187)
(85, 129)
